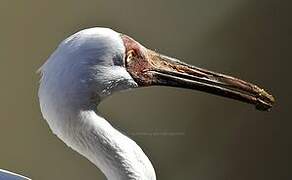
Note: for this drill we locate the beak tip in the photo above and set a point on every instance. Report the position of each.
(263, 107)
(265, 103)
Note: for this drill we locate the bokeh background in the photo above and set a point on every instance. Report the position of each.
(186, 134)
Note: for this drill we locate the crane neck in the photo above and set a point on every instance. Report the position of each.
(85, 68)
(81, 128)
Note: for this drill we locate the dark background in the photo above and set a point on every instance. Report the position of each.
(186, 134)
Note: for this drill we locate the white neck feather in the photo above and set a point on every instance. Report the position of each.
(70, 90)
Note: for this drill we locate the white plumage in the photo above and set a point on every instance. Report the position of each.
(94, 63)
(84, 69)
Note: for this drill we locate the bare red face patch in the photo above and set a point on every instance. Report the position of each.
(136, 60)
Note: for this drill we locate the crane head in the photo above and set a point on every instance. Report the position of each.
(100, 61)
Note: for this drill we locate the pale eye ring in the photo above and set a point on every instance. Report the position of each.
(130, 55)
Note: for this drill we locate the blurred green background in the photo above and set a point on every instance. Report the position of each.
(213, 138)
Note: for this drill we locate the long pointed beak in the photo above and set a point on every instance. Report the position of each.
(157, 69)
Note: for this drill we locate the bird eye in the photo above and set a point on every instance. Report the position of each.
(131, 55)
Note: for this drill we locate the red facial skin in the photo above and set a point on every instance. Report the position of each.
(136, 61)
